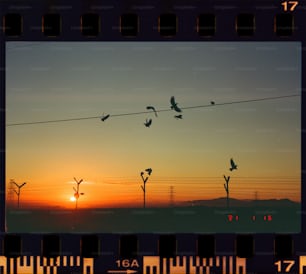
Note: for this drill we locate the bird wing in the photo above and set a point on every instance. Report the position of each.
(232, 162)
(149, 170)
(153, 108)
(105, 117)
(176, 108)
(172, 101)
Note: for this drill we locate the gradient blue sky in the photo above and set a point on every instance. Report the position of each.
(58, 80)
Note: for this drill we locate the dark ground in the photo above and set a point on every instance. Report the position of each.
(189, 219)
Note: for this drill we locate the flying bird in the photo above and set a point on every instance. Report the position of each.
(148, 122)
(174, 105)
(178, 116)
(149, 170)
(104, 117)
(233, 165)
(152, 108)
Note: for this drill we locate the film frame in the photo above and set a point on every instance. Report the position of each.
(257, 21)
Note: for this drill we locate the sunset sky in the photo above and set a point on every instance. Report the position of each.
(61, 80)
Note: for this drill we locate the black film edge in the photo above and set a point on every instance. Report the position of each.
(235, 71)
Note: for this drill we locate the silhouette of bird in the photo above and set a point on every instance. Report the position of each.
(233, 165)
(149, 170)
(174, 105)
(148, 122)
(104, 117)
(178, 116)
(152, 108)
(212, 102)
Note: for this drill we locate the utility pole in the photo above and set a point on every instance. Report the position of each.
(145, 179)
(18, 191)
(227, 189)
(76, 192)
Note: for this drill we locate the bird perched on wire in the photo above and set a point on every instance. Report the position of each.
(148, 122)
(212, 102)
(174, 105)
(104, 117)
(233, 165)
(149, 170)
(152, 108)
(178, 116)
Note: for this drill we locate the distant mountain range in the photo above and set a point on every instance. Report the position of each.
(221, 202)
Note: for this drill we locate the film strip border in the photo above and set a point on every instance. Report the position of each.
(157, 21)
(215, 20)
(153, 253)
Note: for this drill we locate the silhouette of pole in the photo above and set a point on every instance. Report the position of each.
(227, 189)
(144, 188)
(145, 179)
(77, 194)
(18, 192)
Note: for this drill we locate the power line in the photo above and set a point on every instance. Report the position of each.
(146, 112)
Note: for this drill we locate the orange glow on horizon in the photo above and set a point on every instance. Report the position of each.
(117, 195)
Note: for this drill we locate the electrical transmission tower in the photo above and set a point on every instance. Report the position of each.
(10, 191)
(256, 198)
(171, 196)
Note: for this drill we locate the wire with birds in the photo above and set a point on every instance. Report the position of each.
(173, 107)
